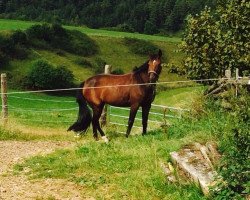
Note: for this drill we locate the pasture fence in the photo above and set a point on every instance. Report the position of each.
(4, 98)
(158, 115)
(116, 116)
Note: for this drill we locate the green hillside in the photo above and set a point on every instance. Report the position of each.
(112, 50)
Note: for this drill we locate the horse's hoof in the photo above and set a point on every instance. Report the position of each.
(77, 135)
(106, 140)
(96, 138)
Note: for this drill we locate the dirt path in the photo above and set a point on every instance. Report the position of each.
(19, 187)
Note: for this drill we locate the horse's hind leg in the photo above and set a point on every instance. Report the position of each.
(97, 111)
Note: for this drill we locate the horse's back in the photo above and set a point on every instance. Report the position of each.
(111, 89)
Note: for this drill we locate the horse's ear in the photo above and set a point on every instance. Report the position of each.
(159, 53)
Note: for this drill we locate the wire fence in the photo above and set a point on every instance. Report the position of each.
(155, 116)
(158, 116)
(27, 113)
(114, 86)
(117, 116)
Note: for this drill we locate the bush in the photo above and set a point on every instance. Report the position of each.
(234, 168)
(82, 44)
(7, 49)
(40, 32)
(7, 46)
(123, 28)
(99, 65)
(19, 38)
(3, 59)
(13, 46)
(83, 62)
(63, 77)
(55, 36)
(216, 40)
(117, 71)
(175, 69)
(45, 76)
(141, 47)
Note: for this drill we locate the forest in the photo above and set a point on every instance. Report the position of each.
(143, 16)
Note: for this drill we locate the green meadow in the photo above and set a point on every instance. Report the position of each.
(127, 168)
(124, 168)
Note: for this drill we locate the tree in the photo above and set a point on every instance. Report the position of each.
(217, 41)
(150, 27)
(44, 75)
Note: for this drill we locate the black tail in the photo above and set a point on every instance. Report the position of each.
(84, 114)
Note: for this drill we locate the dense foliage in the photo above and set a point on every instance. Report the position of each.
(43, 75)
(13, 46)
(148, 16)
(215, 41)
(234, 169)
(140, 47)
(16, 45)
(55, 36)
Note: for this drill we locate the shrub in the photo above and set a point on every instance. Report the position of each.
(141, 47)
(7, 49)
(218, 40)
(55, 36)
(234, 168)
(117, 71)
(82, 44)
(99, 65)
(41, 32)
(63, 77)
(3, 58)
(19, 37)
(124, 28)
(13, 46)
(7, 45)
(45, 76)
(172, 68)
(83, 62)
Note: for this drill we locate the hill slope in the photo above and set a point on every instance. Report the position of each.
(112, 50)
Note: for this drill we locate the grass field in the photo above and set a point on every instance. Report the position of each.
(124, 168)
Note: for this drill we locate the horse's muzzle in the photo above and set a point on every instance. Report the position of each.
(153, 77)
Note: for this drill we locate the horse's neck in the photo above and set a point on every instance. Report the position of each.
(142, 77)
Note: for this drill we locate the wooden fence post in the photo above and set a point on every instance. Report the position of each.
(104, 113)
(228, 74)
(237, 78)
(4, 98)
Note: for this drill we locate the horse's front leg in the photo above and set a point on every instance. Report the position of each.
(145, 112)
(97, 111)
(133, 111)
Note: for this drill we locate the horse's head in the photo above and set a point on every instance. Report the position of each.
(154, 68)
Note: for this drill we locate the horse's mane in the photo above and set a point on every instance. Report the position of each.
(142, 68)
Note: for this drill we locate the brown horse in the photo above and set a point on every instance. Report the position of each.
(134, 90)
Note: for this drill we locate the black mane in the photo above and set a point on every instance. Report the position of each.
(142, 68)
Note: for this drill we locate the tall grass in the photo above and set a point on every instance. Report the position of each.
(123, 169)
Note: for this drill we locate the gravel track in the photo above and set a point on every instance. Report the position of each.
(19, 187)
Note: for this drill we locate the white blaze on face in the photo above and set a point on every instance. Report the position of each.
(154, 62)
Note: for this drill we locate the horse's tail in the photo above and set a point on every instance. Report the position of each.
(84, 114)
